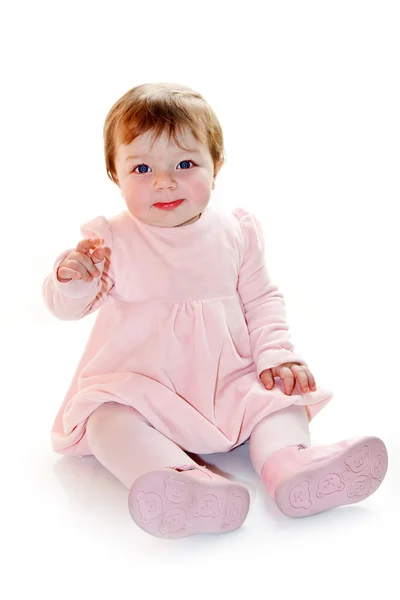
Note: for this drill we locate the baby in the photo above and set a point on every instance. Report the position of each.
(190, 349)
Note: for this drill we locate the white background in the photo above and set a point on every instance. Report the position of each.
(308, 97)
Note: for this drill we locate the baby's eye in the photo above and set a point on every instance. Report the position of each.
(145, 172)
(186, 161)
(139, 167)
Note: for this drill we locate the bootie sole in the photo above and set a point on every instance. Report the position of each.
(348, 477)
(171, 504)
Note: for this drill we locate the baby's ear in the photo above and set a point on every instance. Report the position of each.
(218, 167)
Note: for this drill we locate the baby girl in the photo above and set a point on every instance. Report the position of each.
(190, 350)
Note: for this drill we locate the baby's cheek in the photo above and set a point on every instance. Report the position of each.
(137, 200)
(199, 192)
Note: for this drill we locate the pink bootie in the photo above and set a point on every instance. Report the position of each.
(170, 503)
(304, 481)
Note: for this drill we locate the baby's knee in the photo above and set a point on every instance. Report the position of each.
(111, 415)
(99, 415)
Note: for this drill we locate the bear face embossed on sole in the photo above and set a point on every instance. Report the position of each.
(171, 504)
(347, 477)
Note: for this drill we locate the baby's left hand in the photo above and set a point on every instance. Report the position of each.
(289, 372)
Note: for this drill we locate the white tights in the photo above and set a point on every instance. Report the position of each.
(127, 445)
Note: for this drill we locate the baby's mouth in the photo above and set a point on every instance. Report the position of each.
(168, 205)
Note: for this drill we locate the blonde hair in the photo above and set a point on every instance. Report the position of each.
(158, 107)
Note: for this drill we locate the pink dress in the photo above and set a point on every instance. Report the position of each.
(188, 318)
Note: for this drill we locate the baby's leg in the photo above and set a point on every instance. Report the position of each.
(127, 446)
(286, 427)
(304, 480)
(170, 494)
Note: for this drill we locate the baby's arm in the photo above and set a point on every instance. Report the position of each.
(75, 298)
(263, 303)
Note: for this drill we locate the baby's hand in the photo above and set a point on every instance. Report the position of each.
(289, 373)
(80, 264)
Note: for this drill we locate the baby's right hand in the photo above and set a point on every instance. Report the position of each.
(80, 264)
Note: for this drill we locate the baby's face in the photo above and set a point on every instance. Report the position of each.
(164, 173)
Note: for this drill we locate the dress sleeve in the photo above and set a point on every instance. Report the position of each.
(263, 303)
(74, 299)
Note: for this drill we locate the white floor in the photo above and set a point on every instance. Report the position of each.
(67, 532)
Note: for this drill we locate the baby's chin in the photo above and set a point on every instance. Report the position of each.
(167, 219)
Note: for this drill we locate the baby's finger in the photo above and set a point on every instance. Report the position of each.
(87, 262)
(301, 377)
(86, 245)
(267, 379)
(288, 379)
(289, 383)
(77, 266)
(98, 255)
(311, 380)
(66, 273)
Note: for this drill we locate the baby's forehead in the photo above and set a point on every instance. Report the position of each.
(147, 144)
